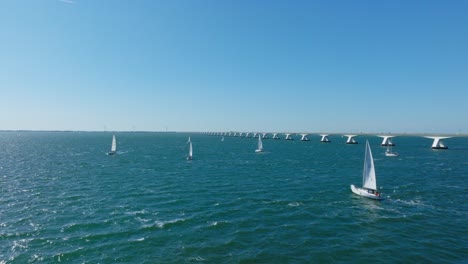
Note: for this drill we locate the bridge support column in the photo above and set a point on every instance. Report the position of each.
(325, 139)
(351, 139)
(438, 143)
(387, 141)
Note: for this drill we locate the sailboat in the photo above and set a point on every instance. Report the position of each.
(113, 147)
(260, 144)
(369, 182)
(222, 138)
(190, 155)
(390, 153)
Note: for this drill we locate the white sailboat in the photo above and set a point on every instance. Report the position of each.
(113, 147)
(222, 138)
(369, 181)
(260, 144)
(390, 153)
(190, 155)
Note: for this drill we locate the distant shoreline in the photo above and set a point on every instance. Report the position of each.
(395, 134)
(90, 131)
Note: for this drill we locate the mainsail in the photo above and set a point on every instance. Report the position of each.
(190, 149)
(260, 144)
(114, 144)
(368, 177)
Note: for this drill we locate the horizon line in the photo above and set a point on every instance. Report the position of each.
(234, 131)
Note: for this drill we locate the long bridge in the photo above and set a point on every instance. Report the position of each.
(438, 139)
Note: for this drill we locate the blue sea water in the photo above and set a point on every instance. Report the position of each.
(62, 199)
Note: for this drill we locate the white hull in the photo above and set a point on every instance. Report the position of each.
(391, 154)
(365, 193)
(258, 150)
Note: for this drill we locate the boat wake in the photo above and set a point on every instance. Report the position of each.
(415, 203)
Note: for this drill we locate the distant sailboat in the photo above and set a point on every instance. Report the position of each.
(222, 138)
(369, 182)
(189, 140)
(260, 144)
(390, 153)
(113, 147)
(190, 155)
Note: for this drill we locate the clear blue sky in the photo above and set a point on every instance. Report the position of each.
(371, 66)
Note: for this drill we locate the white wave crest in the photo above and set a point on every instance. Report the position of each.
(162, 224)
(294, 204)
(197, 258)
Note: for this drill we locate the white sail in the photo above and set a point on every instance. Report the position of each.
(368, 177)
(114, 144)
(260, 144)
(190, 149)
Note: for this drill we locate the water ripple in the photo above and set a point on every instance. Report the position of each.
(63, 200)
